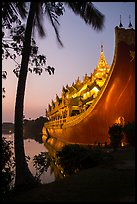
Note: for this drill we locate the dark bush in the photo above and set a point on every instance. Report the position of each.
(73, 158)
(129, 130)
(116, 135)
(7, 161)
(41, 162)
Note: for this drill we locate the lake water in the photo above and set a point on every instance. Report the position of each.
(33, 148)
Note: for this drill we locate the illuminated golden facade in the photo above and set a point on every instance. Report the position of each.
(88, 108)
(80, 95)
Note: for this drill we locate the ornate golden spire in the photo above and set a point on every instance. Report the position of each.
(101, 70)
(102, 64)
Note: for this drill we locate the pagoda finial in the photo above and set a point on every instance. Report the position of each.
(101, 47)
(130, 24)
(120, 25)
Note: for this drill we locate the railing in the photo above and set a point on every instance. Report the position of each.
(55, 123)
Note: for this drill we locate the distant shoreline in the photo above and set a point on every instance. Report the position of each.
(7, 128)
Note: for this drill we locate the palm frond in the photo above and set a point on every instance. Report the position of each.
(51, 14)
(38, 20)
(22, 9)
(8, 11)
(88, 13)
(11, 11)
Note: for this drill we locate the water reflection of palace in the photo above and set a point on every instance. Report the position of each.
(87, 108)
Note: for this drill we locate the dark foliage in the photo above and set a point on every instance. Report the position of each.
(12, 46)
(116, 135)
(73, 158)
(41, 162)
(7, 164)
(33, 128)
(88, 12)
(129, 130)
(11, 12)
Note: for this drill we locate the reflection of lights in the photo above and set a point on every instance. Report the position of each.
(122, 144)
(110, 92)
(130, 78)
(132, 55)
(120, 120)
(109, 95)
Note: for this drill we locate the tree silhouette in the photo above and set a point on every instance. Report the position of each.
(34, 12)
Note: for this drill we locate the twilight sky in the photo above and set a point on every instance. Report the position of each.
(79, 56)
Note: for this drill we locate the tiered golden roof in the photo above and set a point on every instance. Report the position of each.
(80, 95)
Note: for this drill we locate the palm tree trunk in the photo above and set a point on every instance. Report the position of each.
(23, 174)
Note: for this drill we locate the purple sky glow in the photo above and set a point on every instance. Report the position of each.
(79, 56)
